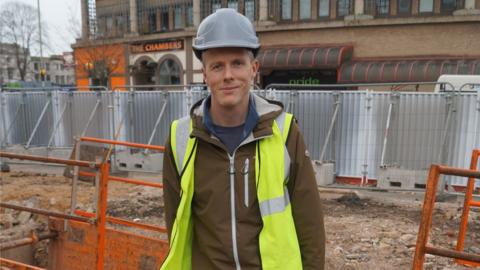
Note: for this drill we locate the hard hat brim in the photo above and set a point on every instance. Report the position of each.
(198, 51)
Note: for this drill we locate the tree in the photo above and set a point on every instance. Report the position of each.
(19, 26)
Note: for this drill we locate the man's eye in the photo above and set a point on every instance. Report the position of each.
(216, 67)
(237, 64)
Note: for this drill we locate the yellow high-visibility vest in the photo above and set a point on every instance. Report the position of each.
(278, 242)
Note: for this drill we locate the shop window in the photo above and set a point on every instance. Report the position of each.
(272, 9)
(426, 6)
(233, 4)
(286, 9)
(189, 15)
(323, 8)
(164, 18)
(383, 7)
(35, 66)
(216, 4)
(250, 9)
(109, 25)
(120, 24)
(344, 7)
(305, 9)
(177, 17)
(143, 72)
(404, 7)
(101, 26)
(152, 21)
(169, 72)
(447, 6)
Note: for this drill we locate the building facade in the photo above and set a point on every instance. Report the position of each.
(303, 41)
(57, 72)
(9, 72)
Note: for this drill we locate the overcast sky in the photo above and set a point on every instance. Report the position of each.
(58, 14)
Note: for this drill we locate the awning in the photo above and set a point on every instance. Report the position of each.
(405, 70)
(307, 57)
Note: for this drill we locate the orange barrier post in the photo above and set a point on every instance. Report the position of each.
(102, 213)
(426, 222)
(9, 264)
(469, 202)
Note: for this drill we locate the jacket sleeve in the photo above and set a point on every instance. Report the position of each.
(171, 187)
(306, 206)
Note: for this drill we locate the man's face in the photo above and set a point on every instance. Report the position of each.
(229, 73)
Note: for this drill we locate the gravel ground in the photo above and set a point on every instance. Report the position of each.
(365, 230)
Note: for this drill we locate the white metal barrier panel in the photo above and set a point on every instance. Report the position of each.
(362, 132)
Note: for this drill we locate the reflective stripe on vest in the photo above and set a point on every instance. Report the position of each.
(278, 243)
(182, 133)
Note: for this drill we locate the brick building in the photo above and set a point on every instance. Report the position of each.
(303, 41)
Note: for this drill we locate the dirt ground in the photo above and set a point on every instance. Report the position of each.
(365, 229)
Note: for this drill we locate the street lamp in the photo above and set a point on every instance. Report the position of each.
(40, 39)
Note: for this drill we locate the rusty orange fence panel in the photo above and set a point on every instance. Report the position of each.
(468, 203)
(103, 248)
(426, 220)
(75, 248)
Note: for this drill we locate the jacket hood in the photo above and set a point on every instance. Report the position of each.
(267, 111)
(263, 106)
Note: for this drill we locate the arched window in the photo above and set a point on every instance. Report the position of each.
(144, 71)
(169, 72)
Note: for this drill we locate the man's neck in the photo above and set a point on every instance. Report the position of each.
(229, 117)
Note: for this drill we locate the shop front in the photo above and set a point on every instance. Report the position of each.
(301, 65)
(158, 62)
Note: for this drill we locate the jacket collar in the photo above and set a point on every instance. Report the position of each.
(261, 114)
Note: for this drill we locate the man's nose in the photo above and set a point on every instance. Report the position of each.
(228, 73)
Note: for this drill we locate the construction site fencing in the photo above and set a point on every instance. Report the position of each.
(362, 132)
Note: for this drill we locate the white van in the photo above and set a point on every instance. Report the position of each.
(467, 83)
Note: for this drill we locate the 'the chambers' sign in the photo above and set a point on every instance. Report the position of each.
(156, 46)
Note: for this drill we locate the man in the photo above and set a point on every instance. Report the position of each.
(239, 186)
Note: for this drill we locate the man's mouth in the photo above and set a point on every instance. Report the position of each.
(228, 88)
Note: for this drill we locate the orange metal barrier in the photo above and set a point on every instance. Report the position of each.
(469, 202)
(428, 206)
(87, 239)
(9, 264)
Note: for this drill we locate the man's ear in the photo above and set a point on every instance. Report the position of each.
(255, 67)
(204, 75)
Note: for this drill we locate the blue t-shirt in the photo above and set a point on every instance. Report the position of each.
(231, 136)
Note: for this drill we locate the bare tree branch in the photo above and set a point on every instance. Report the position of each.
(19, 26)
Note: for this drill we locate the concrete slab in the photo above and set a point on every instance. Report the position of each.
(139, 162)
(324, 173)
(397, 178)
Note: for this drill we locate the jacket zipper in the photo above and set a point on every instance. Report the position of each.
(231, 172)
(245, 181)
